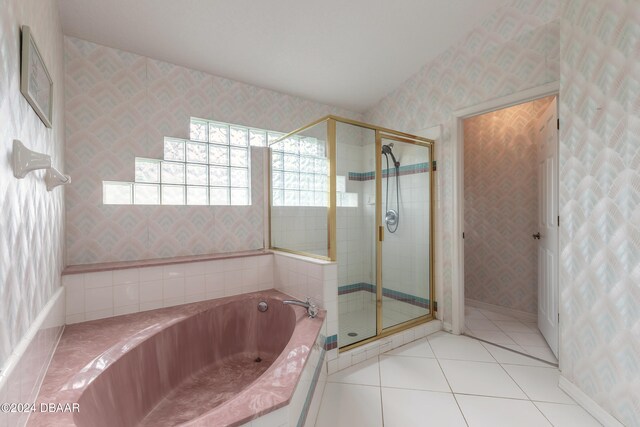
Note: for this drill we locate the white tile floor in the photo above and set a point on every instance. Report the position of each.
(448, 380)
(507, 331)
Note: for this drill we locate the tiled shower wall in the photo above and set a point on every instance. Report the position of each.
(31, 218)
(405, 253)
(120, 105)
(501, 206)
(355, 225)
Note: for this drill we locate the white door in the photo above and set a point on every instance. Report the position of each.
(548, 223)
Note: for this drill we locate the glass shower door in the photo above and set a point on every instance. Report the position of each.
(355, 223)
(404, 226)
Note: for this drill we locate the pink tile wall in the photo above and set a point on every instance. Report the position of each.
(501, 207)
(120, 105)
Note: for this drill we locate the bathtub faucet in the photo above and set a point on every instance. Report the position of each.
(312, 309)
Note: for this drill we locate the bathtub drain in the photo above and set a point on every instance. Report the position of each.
(352, 334)
(257, 360)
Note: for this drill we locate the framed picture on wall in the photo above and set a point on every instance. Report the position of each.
(35, 82)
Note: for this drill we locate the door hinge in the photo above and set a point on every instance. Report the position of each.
(463, 234)
(558, 317)
(558, 124)
(435, 166)
(435, 306)
(381, 234)
(558, 220)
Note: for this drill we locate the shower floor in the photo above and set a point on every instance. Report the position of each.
(357, 315)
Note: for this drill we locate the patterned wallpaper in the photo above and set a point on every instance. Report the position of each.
(120, 105)
(600, 203)
(501, 206)
(516, 48)
(31, 218)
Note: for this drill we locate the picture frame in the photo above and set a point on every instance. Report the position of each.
(35, 82)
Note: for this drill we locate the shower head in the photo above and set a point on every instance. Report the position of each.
(387, 150)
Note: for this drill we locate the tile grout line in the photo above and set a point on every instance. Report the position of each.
(448, 384)
(554, 365)
(516, 320)
(525, 393)
(514, 381)
(380, 388)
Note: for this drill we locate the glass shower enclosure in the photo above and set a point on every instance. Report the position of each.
(362, 196)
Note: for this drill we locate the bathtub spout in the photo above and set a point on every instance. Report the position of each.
(312, 309)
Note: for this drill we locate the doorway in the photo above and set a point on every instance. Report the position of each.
(508, 277)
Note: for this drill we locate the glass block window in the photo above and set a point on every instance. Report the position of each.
(212, 167)
(299, 169)
(300, 177)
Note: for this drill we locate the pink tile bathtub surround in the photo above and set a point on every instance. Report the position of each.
(125, 289)
(126, 370)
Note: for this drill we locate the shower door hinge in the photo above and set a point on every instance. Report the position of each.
(381, 234)
(558, 124)
(435, 306)
(434, 166)
(463, 234)
(558, 220)
(558, 318)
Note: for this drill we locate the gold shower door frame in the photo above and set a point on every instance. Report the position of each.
(380, 134)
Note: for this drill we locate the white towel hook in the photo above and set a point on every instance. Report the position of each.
(54, 177)
(25, 160)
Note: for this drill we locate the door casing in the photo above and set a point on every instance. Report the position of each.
(456, 325)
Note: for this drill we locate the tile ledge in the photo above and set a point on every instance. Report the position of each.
(123, 265)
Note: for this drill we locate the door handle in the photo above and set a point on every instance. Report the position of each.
(537, 235)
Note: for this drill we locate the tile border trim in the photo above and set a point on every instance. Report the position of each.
(386, 292)
(404, 170)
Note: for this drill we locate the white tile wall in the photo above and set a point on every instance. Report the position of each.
(300, 228)
(91, 296)
(303, 277)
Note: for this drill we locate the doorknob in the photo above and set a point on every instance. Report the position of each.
(537, 235)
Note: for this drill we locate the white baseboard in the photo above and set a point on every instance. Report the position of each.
(587, 403)
(521, 315)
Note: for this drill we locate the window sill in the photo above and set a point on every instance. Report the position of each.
(123, 265)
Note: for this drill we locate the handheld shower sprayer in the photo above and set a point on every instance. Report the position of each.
(392, 216)
(387, 150)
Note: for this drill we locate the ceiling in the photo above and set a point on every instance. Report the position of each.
(344, 53)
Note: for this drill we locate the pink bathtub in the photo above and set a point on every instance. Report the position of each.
(213, 363)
